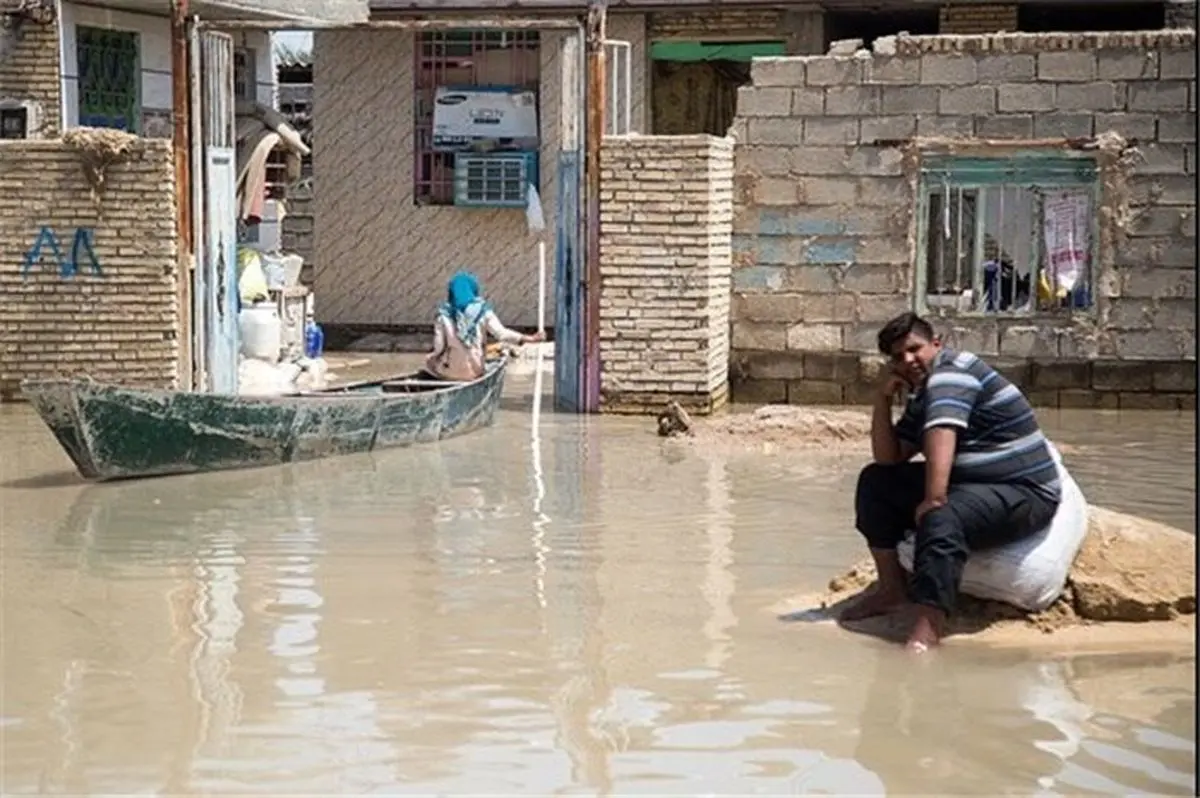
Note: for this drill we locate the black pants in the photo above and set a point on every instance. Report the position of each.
(974, 517)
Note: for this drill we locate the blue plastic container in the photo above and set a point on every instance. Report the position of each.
(314, 340)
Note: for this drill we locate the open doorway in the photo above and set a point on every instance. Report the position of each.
(694, 84)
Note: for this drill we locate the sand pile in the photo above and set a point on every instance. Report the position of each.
(1129, 570)
(784, 425)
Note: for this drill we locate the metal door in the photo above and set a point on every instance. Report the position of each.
(569, 264)
(214, 211)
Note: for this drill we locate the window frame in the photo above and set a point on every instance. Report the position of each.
(1039, 171)
(135, 126)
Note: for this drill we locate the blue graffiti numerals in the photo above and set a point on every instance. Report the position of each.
(67, 267)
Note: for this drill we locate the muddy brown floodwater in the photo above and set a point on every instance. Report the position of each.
(442, 620)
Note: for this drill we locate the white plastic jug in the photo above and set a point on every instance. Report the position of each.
(262, 332)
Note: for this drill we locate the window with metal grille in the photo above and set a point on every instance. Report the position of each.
(462, 58)
(245, 81)
(109, 78)
(1006, 235)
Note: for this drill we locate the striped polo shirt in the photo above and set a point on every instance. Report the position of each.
(999, 440)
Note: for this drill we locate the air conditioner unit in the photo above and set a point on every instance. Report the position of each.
(494, 180)
(20, 119)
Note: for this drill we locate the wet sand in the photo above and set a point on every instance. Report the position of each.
(421, 621)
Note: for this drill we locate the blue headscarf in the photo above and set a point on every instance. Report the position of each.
(464, 308)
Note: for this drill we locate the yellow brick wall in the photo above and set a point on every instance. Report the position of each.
(968, 19)
(31, 71)
(121, 326)
(716, 25)
(666, 215)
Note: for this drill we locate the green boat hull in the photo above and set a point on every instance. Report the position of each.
(111, 432)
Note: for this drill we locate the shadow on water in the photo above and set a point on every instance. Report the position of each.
(56, 479)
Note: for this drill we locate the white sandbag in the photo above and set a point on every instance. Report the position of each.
(1029, 574)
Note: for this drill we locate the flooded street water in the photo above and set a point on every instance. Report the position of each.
(441, 620)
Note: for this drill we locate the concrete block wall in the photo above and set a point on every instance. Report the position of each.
(122, 325)
(824, 226)
(30, 71)
(666, 212)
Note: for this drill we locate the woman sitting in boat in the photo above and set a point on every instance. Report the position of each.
(459, 332)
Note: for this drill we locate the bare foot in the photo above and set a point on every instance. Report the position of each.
(924, 635)
(877, 602)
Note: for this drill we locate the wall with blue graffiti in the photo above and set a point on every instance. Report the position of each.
(87, 286)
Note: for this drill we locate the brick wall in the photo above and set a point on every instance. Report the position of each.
(121, 325)
(824, 229)
(803, 30)
(1181, 14)
(666, 218)
(298, 227)
(31, 72)
(977, 18)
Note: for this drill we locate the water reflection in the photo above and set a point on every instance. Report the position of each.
(438, 620)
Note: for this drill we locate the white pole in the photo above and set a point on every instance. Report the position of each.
(541, 287)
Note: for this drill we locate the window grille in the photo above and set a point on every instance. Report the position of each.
(1006, 235)
(462, 58)
(109, 78)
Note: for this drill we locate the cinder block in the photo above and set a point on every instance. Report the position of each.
(1160, 159)
(1012, 126)
(1130, 126)
(811, 392)
(758, 392)
(853, 100)
(1067, 66)
(808, 102)
(948, 70)
(835, 71)
(1090, 97)
(1180, 127)
(967, 100)
(781, 365)
(1163, 95)
(786, 71)
(1028, 341)
(887, 128)
(754, 101)
(895, 69)
(1127, 65)
(1006, 68)
(1070, 375)
(909, 99)
(831, 131)
(1020, 97)
(1174, 377)
(1178, 64)
(828, 190)
(774, 131)
(946, 126)
(814, 338)
(1063, 126)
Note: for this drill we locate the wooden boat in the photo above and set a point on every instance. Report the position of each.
(112, 432)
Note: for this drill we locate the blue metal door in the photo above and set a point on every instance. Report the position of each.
(215, 209)
(568, 265)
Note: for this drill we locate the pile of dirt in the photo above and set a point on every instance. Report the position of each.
(1129, 570)
(787, 425)
(98, 149)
